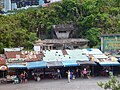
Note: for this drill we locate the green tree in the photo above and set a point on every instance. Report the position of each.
(1, 47)
(112, 84)
(91, 18)
(93, 35)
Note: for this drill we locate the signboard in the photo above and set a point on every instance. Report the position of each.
(111, 43)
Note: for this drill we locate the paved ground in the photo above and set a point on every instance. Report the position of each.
(77, 84)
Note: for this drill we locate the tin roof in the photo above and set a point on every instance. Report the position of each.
(2, 61)
(104, 35)
(16, 56)
(13, 49)
(58, 55)
(64, 40)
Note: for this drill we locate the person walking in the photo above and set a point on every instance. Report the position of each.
(68, 74)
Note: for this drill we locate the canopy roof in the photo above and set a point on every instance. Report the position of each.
(92, 51)
(101, 56)
(109, 63)
(16, 66)
(86, 63)
(69, 63)
(37, 64)
(58, 55)
(54, 64)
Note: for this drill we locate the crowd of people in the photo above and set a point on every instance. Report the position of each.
(71, 74)
(23, 77)
(58, 73)
(75, 74)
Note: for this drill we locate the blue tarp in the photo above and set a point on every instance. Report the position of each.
(38, 64)
(16, 66)
(89, 49)
(108, 63)
(69, 63)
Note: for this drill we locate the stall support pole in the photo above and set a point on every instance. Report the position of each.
(92, 70)
(44, 72)
(3, 74)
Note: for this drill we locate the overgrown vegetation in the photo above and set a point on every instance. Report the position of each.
(112, 84)
(90, 17)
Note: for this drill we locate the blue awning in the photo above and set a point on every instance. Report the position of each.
(38, 64)
(109, 63)
(69, 63)
(16, 66)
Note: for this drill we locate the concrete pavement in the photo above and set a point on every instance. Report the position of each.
(77, 84)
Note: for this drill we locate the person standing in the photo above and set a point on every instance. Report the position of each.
(77, 73)
(22, 78)
(68, 74)
(25, 75)
(59, 74)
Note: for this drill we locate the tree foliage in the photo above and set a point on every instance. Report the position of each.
(91, 18)
(112, 84)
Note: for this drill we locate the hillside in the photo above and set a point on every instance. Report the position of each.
(90, 17)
